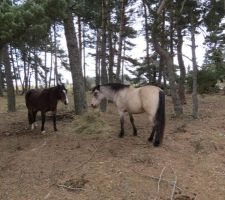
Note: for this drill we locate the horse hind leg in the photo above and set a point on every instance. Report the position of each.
(150, 139)
(42, 122)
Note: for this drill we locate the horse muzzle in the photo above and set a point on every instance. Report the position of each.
(93, 106)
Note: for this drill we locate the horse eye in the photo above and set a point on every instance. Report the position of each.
(95, 94)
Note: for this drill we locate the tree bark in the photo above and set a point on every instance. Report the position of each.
(181, 88)
(147, 42)
(35, 69)
(167, 59)
(9, 82)
(55, 56)
(97, 59)
(14, 69)
(104, 77)
(121, 32)
(194, 75)
(1, 77)
(75, 65)
(46, 71)
(18, 69)
(111, 49)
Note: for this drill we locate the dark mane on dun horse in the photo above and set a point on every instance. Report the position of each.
(44, 100)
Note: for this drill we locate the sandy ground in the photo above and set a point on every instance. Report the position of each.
(100, 166)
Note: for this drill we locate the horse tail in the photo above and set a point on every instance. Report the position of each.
(160, 119)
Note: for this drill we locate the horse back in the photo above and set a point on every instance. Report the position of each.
(39, 100)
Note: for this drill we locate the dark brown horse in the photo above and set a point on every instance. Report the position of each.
(44, 100)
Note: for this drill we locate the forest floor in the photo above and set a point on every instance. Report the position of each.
(85, 160)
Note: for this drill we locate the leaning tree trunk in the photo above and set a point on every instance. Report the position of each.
(194, 75)
(75, 65)
(104, 77)
(121, 31)
(9, 81)
(167, 59)
(181, 88)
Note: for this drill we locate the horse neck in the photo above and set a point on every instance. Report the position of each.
(108, 92)
(54, 93)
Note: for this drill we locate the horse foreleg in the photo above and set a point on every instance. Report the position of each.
(121, 134)
(133, 125)
(54, 121)
(43, 122)
(34, 117)
(31, 119)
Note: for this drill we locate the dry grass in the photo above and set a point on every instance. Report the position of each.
(101, 166)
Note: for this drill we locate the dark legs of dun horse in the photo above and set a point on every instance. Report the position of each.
(121, 134)
(133, 125)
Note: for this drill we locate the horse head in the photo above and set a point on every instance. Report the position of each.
(97, 96)
(62, 93)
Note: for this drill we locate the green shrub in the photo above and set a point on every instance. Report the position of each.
(206, 80)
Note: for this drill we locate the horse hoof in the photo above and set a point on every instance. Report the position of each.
(42, 132)
(156, 143)
(120, 135)
(35, 124)
(135, 134)
(150, 139)
(55, 129)
(32, 127)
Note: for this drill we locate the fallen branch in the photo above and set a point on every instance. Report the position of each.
(70, 188)
(157, 178)
(160, 178)
(174, 186)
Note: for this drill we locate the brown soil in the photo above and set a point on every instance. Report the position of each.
(68, 165)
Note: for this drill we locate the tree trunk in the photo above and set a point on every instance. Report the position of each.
(84, 57)
(147, 42)
(55, 52)
(46, 71)
(167, 59)
(104, 77)
(14, 69)
(9, 82)
(111, 50)
(35, 69)
(194, 76)
(181, 88)
(75, 65)
(1, 77)
(18, 70)
(121, 32)
(97, 59)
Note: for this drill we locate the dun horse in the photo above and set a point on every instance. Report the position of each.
(148, 99)
(44, 100)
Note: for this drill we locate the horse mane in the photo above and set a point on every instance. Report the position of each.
(114, 86)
